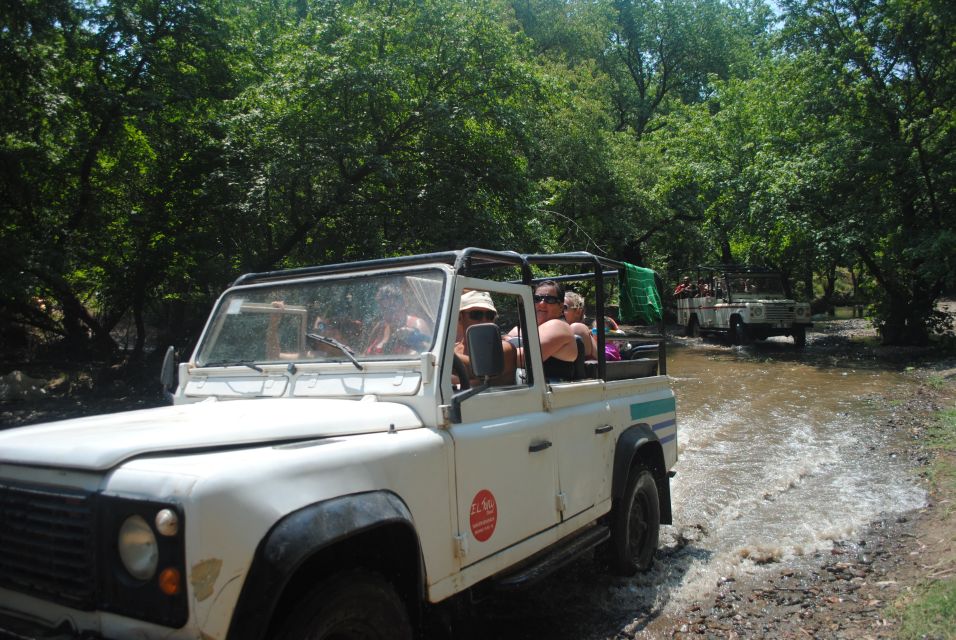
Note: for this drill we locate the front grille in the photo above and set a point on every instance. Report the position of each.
(779, 314)
(46, 538)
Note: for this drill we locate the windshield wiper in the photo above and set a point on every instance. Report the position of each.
(338, 345)
(237, 363)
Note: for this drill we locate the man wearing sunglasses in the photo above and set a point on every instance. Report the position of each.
(559, 349)
(477, 307)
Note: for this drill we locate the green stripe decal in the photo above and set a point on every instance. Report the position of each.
(652, 408)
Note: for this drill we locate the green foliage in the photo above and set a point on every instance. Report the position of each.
(932, 614)
(150, 151)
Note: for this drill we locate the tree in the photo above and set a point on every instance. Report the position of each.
(891, 71)
(372, 120)
(93, 156)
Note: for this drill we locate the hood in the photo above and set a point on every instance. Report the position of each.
(101, 442)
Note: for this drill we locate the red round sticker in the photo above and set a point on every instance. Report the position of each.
(484, 515)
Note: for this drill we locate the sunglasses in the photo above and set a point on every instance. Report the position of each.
(546, 299)
(478, 315)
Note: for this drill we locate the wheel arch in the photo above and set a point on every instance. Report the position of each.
(640, 445)
(372, 530)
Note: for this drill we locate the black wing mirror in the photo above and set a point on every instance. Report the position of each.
(484, 349)
(167, 375)
(487, 359)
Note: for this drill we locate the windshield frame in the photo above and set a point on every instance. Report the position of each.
(733, 282)
(429, 282)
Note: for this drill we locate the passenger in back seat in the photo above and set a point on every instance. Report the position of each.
(559, 349)
(574, 316)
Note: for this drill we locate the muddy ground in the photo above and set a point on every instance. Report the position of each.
(853, 591)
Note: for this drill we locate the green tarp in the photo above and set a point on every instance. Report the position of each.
(640, 299)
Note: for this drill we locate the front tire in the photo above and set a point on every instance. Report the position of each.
(636, 525)
(356, 605)
(800, 337)
(738, 332)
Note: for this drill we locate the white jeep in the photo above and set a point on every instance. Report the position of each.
(740, 303)
(319, 476)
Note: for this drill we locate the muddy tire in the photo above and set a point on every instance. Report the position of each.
(738, 332)
(800, 337)
(357, 605)
(635, 525)
(693, 329)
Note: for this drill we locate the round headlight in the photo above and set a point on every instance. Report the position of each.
(757, 311)
(137, 548)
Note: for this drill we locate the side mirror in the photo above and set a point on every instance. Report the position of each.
(487, 359)
(167, 375)
(484, 349)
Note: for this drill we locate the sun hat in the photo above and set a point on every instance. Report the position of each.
(476, 300)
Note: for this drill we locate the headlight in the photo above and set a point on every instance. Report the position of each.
(756, 312)
(137, 548)
(802, 311)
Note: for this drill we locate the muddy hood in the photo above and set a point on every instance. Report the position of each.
(102, 442)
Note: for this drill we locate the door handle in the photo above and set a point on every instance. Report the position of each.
(605, 429)
(539, 446)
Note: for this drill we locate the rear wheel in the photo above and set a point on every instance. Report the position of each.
(693, 329)
(357, 605)
(636, 525)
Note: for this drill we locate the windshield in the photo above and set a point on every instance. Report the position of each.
(349, 319)
(762, 285)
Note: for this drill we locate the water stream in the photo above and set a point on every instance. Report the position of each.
(780, 456)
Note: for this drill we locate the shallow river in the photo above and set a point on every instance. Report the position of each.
(779, 457)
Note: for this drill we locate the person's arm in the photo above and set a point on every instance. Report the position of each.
(557, 340)
(507, 375)
(590, 341)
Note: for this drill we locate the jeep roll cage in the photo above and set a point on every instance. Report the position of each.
(476, 262)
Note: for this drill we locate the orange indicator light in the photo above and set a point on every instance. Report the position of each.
(169, 582)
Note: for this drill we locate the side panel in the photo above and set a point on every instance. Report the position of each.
(707, 313)
(583, 436)
(651, 404)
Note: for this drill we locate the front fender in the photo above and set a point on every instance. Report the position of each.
(296, 538)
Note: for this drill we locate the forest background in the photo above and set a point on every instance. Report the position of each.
(153, 150)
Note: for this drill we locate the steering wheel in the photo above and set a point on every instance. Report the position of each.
(406, 339)
(458, 368)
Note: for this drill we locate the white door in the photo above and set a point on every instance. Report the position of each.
(505, 467)
(505, 459)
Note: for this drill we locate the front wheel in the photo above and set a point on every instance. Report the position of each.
(800, 337)
(356, 605)
(738, 332)
(636, 525)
